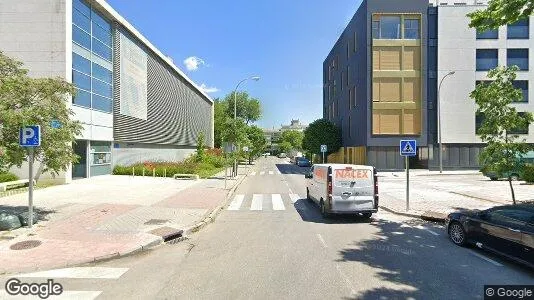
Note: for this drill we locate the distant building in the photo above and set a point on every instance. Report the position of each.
(273, 135)
(295, 125)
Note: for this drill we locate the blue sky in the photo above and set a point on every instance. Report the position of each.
(284, 42)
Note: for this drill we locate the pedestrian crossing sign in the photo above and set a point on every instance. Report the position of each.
(408, 147)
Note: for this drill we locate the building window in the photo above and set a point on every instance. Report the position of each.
(411, 29)
(487, 59)
(342, 79)
(348, 49)
(518, 30)
(390, 27)
(517, 57)
(335, 89)
(350, 127)
(479, 119)
(100, 153)
(491, 34)
(523, 86)
(348, 75)
(352, 97)
(355, 42)
(521, 129)
(376, 29)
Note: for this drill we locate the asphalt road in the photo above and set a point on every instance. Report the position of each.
(272, 244)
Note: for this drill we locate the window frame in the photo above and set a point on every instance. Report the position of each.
(486, 35)
(518, 50)
(480, 51)
(417, 29)
(524, 92)
(516, 25)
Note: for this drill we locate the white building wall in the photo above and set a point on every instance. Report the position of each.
(457, 46)
(35, 32)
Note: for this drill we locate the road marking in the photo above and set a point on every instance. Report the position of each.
(486, 259)
(236, 203)
(271, 172)
(294, 197)
(79, 272)
(253, 173)
(347, 281)
(79, 295)
(426, 229)
(320, 237)
(257, 202)
(262, 173)
(278, 204)
(290, 191)
(279, 173)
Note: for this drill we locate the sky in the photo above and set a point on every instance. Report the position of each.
(217, 43)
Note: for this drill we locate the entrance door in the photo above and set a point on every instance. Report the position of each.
(79, 169)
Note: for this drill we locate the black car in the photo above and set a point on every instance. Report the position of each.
(303, 162)
(506, 230)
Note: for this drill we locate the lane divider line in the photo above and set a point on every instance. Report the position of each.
(320, 237)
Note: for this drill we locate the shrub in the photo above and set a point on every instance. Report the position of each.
(528, 173)
(5, 177)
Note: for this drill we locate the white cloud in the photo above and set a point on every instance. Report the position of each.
(207, 89)
(192, 63)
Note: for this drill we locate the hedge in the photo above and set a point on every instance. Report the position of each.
(528, 173)
(5, 177)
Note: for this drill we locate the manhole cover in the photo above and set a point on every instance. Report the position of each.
(156, 222)
(25, 245)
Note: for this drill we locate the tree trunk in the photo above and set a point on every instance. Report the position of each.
(511, 188)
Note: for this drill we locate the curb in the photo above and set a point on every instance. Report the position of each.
(426, 217)
(215, 212)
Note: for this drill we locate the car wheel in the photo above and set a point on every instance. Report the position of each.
(457, 233)
(367, 215)
(324, 213)
(514, 177)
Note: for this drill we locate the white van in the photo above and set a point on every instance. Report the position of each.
(343, 189)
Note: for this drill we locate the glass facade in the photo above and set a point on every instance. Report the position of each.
(517, 57)
(518, 30)
(523, 86)
(491, 34)
(411, 29)
(486, 59)
(92, 58)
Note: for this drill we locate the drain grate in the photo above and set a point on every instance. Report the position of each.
(25, 245)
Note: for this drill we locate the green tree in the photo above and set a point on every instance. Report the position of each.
(248, 109)
(501, 12)
(220, 108)
(201, 145)
(293, 138)
(31, 101)
(321, 132)
(256, 141)
(499, 121)
(235, 131)
(285, 146)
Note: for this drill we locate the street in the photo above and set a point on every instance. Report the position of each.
(271, 243)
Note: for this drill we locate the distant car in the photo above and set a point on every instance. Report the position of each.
(282, 155)
(506, 230)
(294, 159)
(303, 162)
(516, 174)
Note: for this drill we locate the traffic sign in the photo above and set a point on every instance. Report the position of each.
(55, 124)
(324, 148)
(30, 136)
(408, 147)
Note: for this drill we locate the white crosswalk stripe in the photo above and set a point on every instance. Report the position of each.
(271, 172)
(236, 203)
(278, 204)
(279, 173)
(294, 197)
(253, 173)
(257, 202)
(262, 173)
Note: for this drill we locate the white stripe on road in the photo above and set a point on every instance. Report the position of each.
(278, 204)
(78, 295)
(279, 173)
(257, 202)
(320, 237)
(294, 197)
(290, 191)
(486, 259)
(347, 280)
(79, 272)
(271, 172)
(236, 203)
(262, 173)
(426, 229)
(253, 173)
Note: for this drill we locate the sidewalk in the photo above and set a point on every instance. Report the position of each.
(108, 216)
(434, 196)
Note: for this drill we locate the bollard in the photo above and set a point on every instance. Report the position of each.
(165, 172)
(143, 172)
(154, 172)
(133, 171)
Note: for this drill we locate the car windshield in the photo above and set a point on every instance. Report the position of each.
(276, 149)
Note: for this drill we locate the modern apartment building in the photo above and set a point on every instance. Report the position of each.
(381, 81)
(134, 103)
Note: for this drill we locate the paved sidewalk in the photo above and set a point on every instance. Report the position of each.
(106, 217)
(434, 196)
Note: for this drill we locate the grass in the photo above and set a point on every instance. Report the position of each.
(24, 189)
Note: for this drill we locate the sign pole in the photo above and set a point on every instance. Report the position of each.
(30, 192)
(407, 183)
(323, 157)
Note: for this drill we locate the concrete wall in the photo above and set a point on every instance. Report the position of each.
(457, 46)
(125, 154)
(35, 32)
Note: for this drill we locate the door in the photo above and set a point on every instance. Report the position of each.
(504, 232)
(79, 169)
(353, 189)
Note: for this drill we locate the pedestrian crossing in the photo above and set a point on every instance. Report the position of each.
(262, 173)
(61, 275)
(263, 202)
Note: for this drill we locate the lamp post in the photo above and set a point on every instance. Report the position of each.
(255, 78)
(440, 150)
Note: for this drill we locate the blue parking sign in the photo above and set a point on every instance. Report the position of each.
(30, 136)
(408, 147)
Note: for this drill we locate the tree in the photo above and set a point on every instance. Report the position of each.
(201, 153)
(256, 141)
(235, 131)
(31, 101)
(284, 146)
(220, 117)
(248, 109)
(293, 138)
(501, 12)
(499, 120)
(321, 132)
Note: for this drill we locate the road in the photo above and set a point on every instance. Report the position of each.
(272, 244)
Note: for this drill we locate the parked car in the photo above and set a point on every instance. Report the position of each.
(516, 174)
(295, 159)
(343, 189)
(282, 155)
(506, 230)
(303, 162)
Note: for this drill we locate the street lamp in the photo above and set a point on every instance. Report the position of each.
(255, 78)
(439, 122)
